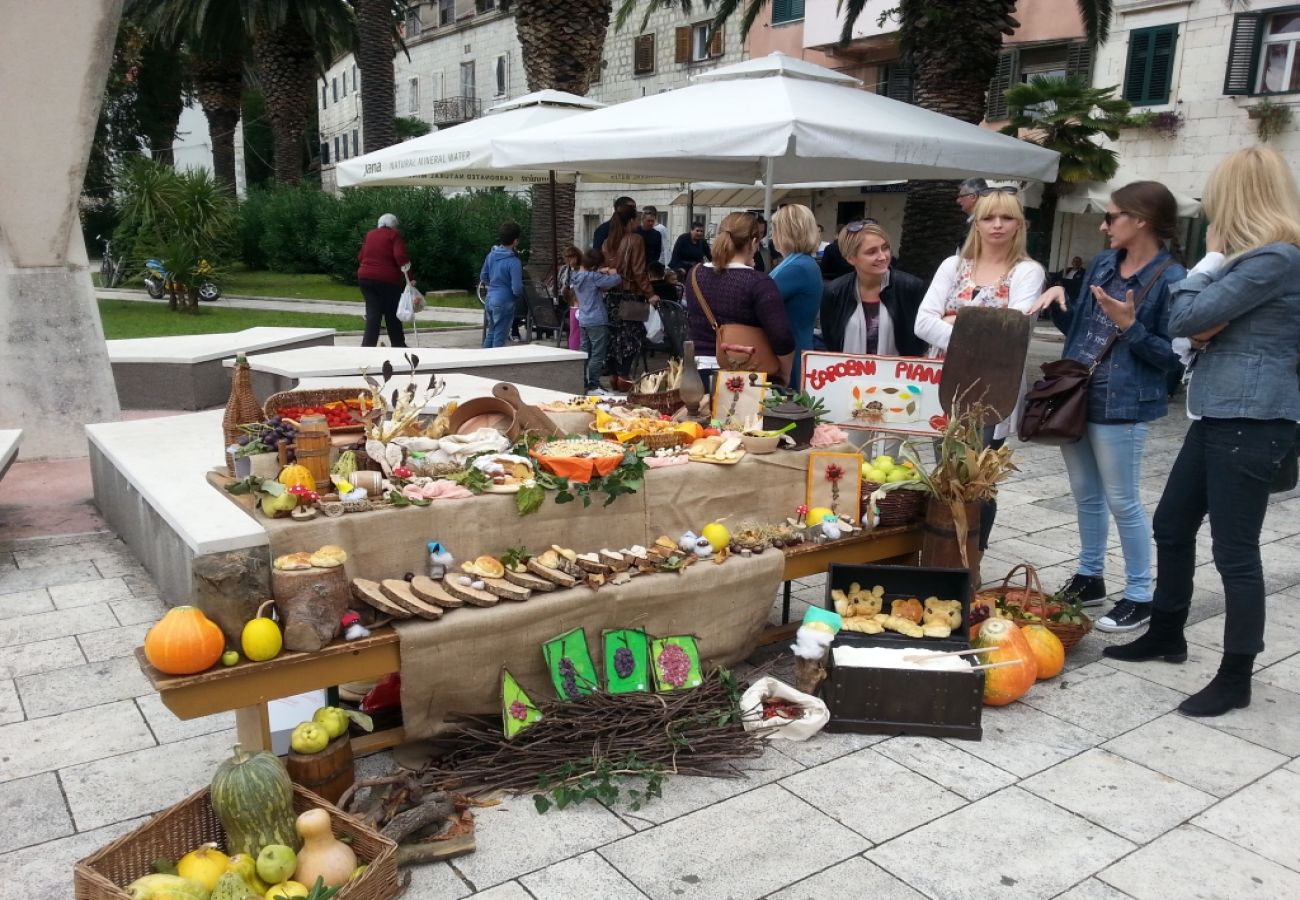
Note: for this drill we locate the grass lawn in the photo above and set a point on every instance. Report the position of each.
(133, 319)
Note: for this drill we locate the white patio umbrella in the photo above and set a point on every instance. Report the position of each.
(775, 120)
(716, 193)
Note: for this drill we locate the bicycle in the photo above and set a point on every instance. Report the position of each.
(111, 268)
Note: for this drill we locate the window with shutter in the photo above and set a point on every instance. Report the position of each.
(1078, 61)
(1243, 54)
(896, 82)
(682, 44)
(1150, 65)
(325, 154)
(717, 45)
(995, 108)
(643, 61)
(786, 11)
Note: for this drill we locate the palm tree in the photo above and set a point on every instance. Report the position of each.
(377, 22)
(1067, 115)
(953, 47)
(562, 42)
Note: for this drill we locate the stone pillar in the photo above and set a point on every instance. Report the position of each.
(54, 371)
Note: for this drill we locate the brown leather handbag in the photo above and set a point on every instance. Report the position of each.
(740, 348)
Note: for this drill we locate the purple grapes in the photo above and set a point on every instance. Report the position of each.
(624, 662)
(569, 679)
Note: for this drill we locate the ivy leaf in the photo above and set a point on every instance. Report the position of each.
(529, 499)
(541, 803)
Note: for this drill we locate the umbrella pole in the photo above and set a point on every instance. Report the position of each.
(555, 240)
(767, 191)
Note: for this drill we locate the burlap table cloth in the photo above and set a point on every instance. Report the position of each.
(454, 665)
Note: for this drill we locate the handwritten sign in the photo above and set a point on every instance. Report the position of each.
(877, 393)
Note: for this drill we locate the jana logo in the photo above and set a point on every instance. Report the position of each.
(372, 168)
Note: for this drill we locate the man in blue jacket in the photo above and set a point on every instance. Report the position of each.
(503, 274)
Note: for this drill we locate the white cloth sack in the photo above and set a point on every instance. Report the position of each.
(654, 327)
(411, 303)
(815, 715)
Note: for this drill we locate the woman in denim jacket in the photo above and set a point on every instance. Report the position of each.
(1130, 347)
(1242, 311)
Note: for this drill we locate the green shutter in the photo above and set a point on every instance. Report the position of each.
(898, 81)
(786, 11)
(1150, 65)
(1078, 61)
(1243, 54)
(995, 109)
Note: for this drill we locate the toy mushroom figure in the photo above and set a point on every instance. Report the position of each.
(352, 628)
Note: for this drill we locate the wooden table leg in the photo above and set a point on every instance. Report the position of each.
(785, 603)
(253, 726)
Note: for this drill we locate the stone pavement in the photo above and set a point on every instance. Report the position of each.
(1091, 788)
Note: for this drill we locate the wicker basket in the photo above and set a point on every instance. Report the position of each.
(899, 507)
(277, 402)
(1029, 595)
(665, 402)
(176, 831)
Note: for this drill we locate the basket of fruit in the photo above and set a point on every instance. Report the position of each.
(186, 852)
(336, 404)
(903, 494)
(1027, 602)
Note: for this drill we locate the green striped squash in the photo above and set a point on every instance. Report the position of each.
(253, 797)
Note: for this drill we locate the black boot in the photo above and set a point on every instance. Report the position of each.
(1163, 639)
(1228, 690)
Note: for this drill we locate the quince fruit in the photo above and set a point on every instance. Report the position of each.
(287, 889)
(244, 865)
(309, 737)
(334, 720)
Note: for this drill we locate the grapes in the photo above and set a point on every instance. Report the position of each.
(273, 421)
(675, 665)
(569, 679)
(624, 662)
(243, 441)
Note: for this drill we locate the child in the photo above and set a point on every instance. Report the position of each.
(659, 282)
(590, 284)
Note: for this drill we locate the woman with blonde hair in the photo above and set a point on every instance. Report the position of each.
(799, 278)
(1240, 306)
(734, 292)
(873, 308)
(1119, 327)
(992, 270)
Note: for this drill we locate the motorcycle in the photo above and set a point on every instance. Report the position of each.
(158, 282)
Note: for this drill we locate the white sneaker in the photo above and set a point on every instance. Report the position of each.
(599, 392)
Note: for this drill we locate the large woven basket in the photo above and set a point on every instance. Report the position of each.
(277, 402)
(1031, 594)
(665, 402)
(898, 508)
(174, 832)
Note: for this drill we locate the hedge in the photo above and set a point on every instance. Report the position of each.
(302, 229)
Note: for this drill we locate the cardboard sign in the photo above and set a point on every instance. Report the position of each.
(877, 393)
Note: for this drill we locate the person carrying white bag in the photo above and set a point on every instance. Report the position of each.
(384, 274)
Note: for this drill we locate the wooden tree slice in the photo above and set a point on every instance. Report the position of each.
(470, 595)
(617, 561)
(229, 587)
(505, 590)
(555, 576)
(371, 594)
(431, 591)
(397, 590)
(532, 582)
(590, 562)
(310, 602)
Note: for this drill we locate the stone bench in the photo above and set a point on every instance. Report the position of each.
(9, 439)
(186, 371)
(526, 364)
(150, 483)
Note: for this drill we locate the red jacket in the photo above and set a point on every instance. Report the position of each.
(382, 256)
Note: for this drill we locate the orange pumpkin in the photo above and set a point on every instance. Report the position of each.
(1047, 649)
(184, 642)
(1003, 642)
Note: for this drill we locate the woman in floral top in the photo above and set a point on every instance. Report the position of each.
(994, 270)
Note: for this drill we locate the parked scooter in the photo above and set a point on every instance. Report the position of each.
(159, 283)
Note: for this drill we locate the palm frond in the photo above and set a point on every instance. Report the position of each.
(1096, 15)
(852, 9)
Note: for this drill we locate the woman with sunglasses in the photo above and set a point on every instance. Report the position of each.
(1119, 325)
(993, 270)
(873, 308)
(1241, 307)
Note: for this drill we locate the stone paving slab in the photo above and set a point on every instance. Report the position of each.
(39, 656)
(1103, 700)
(856, 877)
(585, 877)
(1272, 720)
(99, 590)
(11, 708)
(947, 765)
(32, 811)
(703, 792)
(66, 739)
(1204, 866)
(1264, 817)
(24, 603)
(90, 685)
(44, 870)
(1023, 740)
(1092, 889)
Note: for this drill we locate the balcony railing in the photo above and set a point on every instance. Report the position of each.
(454, 110)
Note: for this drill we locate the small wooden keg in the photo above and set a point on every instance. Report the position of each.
(328, 773)
(312, 449)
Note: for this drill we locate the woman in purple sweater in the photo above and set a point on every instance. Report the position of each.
(735, 292)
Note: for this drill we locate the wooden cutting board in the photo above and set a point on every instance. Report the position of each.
(986, 358)
(527, 418)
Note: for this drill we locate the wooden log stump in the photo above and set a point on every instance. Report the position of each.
(310, 602)
(229, 587)
(328, 773)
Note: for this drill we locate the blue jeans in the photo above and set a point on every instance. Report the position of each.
(1104, 468)
(595, 343)
(500, 313)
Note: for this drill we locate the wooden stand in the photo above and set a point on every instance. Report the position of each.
(328, 773)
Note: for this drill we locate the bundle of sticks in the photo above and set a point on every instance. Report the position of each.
(427, 825)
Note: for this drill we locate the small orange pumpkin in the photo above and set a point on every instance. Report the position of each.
(184, 642)
(1047, 648)
(1003, 642)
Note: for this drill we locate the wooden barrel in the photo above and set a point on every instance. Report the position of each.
(328, 773)
(939, 547)
(312, 449)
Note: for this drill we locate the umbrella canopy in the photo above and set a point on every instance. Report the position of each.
(1093, 196)
(749, 196)
(460, 156)
(777, 120)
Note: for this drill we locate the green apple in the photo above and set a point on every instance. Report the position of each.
(876, 475)
(899, 474)
(230, 658)
(276, 863)
(883, 462)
